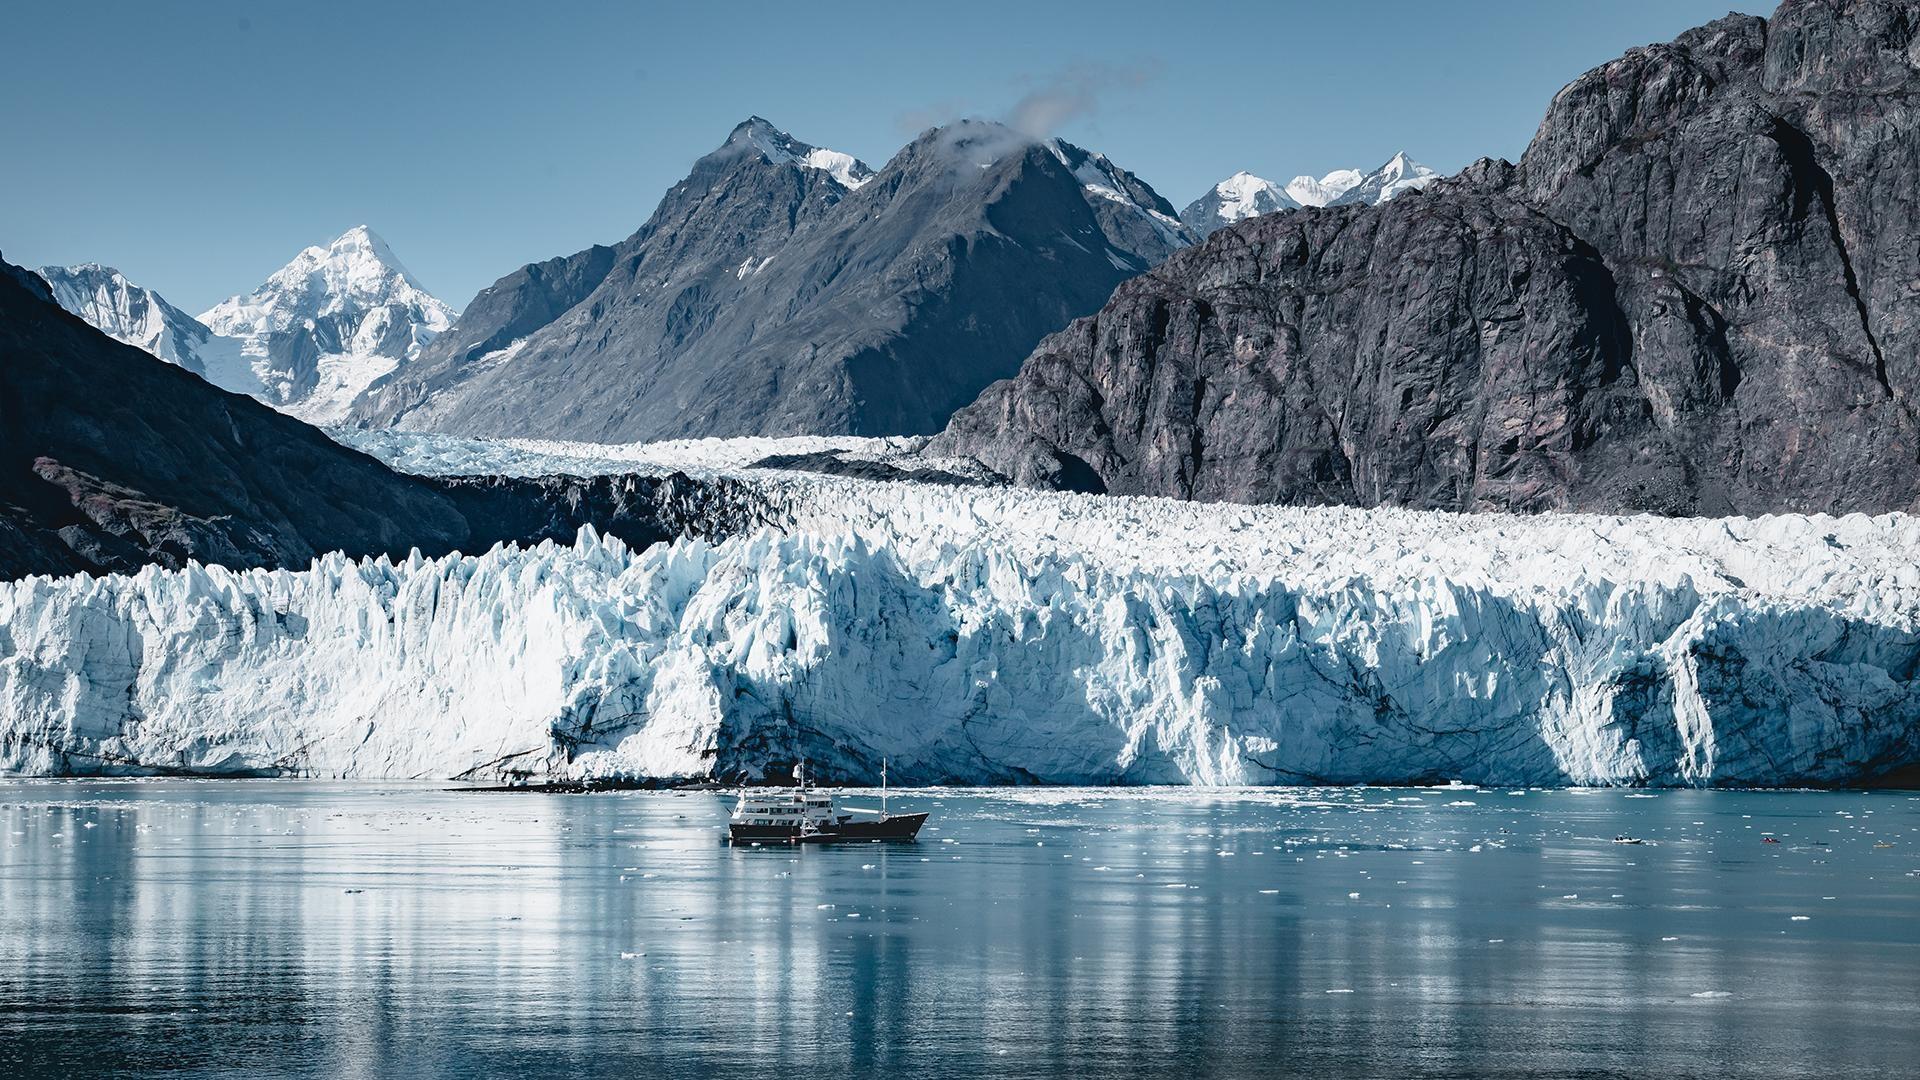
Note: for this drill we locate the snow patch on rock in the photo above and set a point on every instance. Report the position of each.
(780, 148)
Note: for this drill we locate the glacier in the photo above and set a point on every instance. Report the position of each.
(994, 635)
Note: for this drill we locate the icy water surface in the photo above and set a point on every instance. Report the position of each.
(286, 928)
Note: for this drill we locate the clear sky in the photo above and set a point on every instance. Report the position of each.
(197, 146)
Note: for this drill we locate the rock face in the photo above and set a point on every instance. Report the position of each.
(1002, 636)
(330, 322)
(1693, 295)
(785, 289)
(111, 460)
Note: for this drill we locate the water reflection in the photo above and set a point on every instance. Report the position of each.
(277, 928)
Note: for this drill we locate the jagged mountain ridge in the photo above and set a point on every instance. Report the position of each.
(1689, 297)
(140, 317)
(770, 295)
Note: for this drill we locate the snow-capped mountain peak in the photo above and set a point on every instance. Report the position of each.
(1237, 198)
(331, 321)
(1244, 195)
(1244, 187)
(357, 269)
(1399, 175)
(1308, 191)
(362, 248)
(127, 312)
(140, 317)
(780, 148)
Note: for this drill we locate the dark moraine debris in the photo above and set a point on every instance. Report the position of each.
(836, 463)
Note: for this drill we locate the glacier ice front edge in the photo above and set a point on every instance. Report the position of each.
(989, 636)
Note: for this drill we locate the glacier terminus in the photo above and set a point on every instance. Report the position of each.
(992, 635)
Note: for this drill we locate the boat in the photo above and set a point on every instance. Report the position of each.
(806, 815)
(1625, 839)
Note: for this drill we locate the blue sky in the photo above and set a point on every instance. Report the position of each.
(197, 146)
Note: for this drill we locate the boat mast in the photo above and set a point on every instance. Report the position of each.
(883, 789)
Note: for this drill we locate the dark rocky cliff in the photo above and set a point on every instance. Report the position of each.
(111, 459)
(1696, 293)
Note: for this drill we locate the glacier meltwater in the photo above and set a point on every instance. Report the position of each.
(991, 635)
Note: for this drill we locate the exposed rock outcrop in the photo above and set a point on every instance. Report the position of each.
(1695, 294)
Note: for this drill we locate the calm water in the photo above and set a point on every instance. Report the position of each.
(281, 928)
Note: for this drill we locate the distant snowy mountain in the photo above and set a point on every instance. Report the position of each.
(1350, 187)
(330, 322)
(1307, 191)
(1237, 198)
(1244, 195)
(1399, 175)
(142, 318)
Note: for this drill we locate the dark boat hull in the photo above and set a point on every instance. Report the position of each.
(896, 827)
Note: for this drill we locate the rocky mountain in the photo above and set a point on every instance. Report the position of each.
(111, 459)
(1237, 198)
(782, 288)
(1693, 295)
(140, 317)
(329, 323)
(1244, 195)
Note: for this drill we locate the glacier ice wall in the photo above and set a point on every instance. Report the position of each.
(994, 636)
